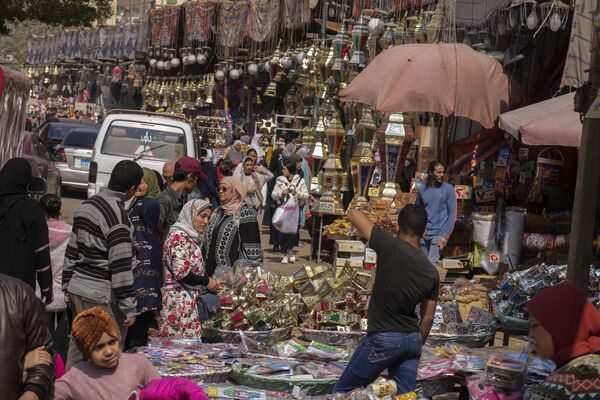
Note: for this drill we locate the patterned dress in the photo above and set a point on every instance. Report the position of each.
(147, 274)
(229, 238)
(179, 315)
(578, 379)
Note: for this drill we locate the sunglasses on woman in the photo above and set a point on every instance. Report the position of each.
(222, 189)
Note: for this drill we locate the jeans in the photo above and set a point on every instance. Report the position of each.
(431, 247)
(397, 352)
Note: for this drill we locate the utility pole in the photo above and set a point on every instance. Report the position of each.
(588, 180)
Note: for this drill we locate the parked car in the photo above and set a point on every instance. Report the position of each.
(41, 161)
(73, 157)
(148, 138)
(53, 131)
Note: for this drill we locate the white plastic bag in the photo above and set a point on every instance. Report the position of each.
(484, 229)
(291, 216)
(277, 219)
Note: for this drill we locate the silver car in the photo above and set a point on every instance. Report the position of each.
(73, 157)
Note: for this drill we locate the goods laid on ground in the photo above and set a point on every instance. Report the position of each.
(381, 389)
(254, 299)
(335, 304)
(191, 359)
(462, 315)
(265, 305)
(237, 392)
(313, 378)
(517, 288)
(485, 372)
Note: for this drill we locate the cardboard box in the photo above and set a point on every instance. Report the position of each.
(370, 259)
(370, 256)
(456, 250)
(339, 262)
(451, 263)
(350, 246)
(350, 256)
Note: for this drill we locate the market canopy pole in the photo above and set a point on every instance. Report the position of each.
(588, 177)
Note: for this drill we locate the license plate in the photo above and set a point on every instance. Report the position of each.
(79, 163)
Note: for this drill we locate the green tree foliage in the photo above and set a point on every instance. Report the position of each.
(68, 13)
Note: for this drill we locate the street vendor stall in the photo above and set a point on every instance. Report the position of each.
(551, 122)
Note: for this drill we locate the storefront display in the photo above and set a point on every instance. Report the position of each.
(517, 288)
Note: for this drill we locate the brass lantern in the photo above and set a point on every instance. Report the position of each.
(333, 174)
(362, 166)
(394, 137)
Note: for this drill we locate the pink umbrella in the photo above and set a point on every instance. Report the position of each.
(551, 122)
(448, 79)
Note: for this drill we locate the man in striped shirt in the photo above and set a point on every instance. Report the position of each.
(99, 256)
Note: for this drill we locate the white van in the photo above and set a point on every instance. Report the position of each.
(148, 138)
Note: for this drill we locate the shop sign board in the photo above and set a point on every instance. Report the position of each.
(484, 195)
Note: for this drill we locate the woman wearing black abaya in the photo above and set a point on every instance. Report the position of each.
(23, 230)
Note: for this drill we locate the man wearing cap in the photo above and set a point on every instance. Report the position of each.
(186, 173)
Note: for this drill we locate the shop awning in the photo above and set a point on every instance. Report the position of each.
(548, 123)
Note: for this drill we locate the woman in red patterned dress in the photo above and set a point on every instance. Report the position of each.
(184, 272)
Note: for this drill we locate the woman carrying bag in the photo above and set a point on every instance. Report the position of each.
(186, 278)
(291, 193)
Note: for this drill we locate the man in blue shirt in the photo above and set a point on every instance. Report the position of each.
(439, 199)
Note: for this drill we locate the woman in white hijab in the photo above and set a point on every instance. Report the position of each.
(254, 177)
(255, 144)
(185, 275)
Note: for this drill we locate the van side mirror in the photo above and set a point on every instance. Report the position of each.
(37, 186)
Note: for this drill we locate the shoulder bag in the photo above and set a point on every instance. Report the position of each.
(208, 304)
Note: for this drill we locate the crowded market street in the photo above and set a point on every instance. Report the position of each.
(300, 199)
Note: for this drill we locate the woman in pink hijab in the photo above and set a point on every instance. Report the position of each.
(232, 233)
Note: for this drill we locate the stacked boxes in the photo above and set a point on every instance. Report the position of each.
(352, 251)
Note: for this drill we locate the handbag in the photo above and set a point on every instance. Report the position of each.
(291, 216)
(208, 304)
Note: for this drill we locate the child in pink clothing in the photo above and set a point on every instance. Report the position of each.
(108, 374)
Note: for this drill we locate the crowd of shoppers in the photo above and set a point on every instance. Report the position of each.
(143, 252)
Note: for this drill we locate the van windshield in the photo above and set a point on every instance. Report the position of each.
(152, 141)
